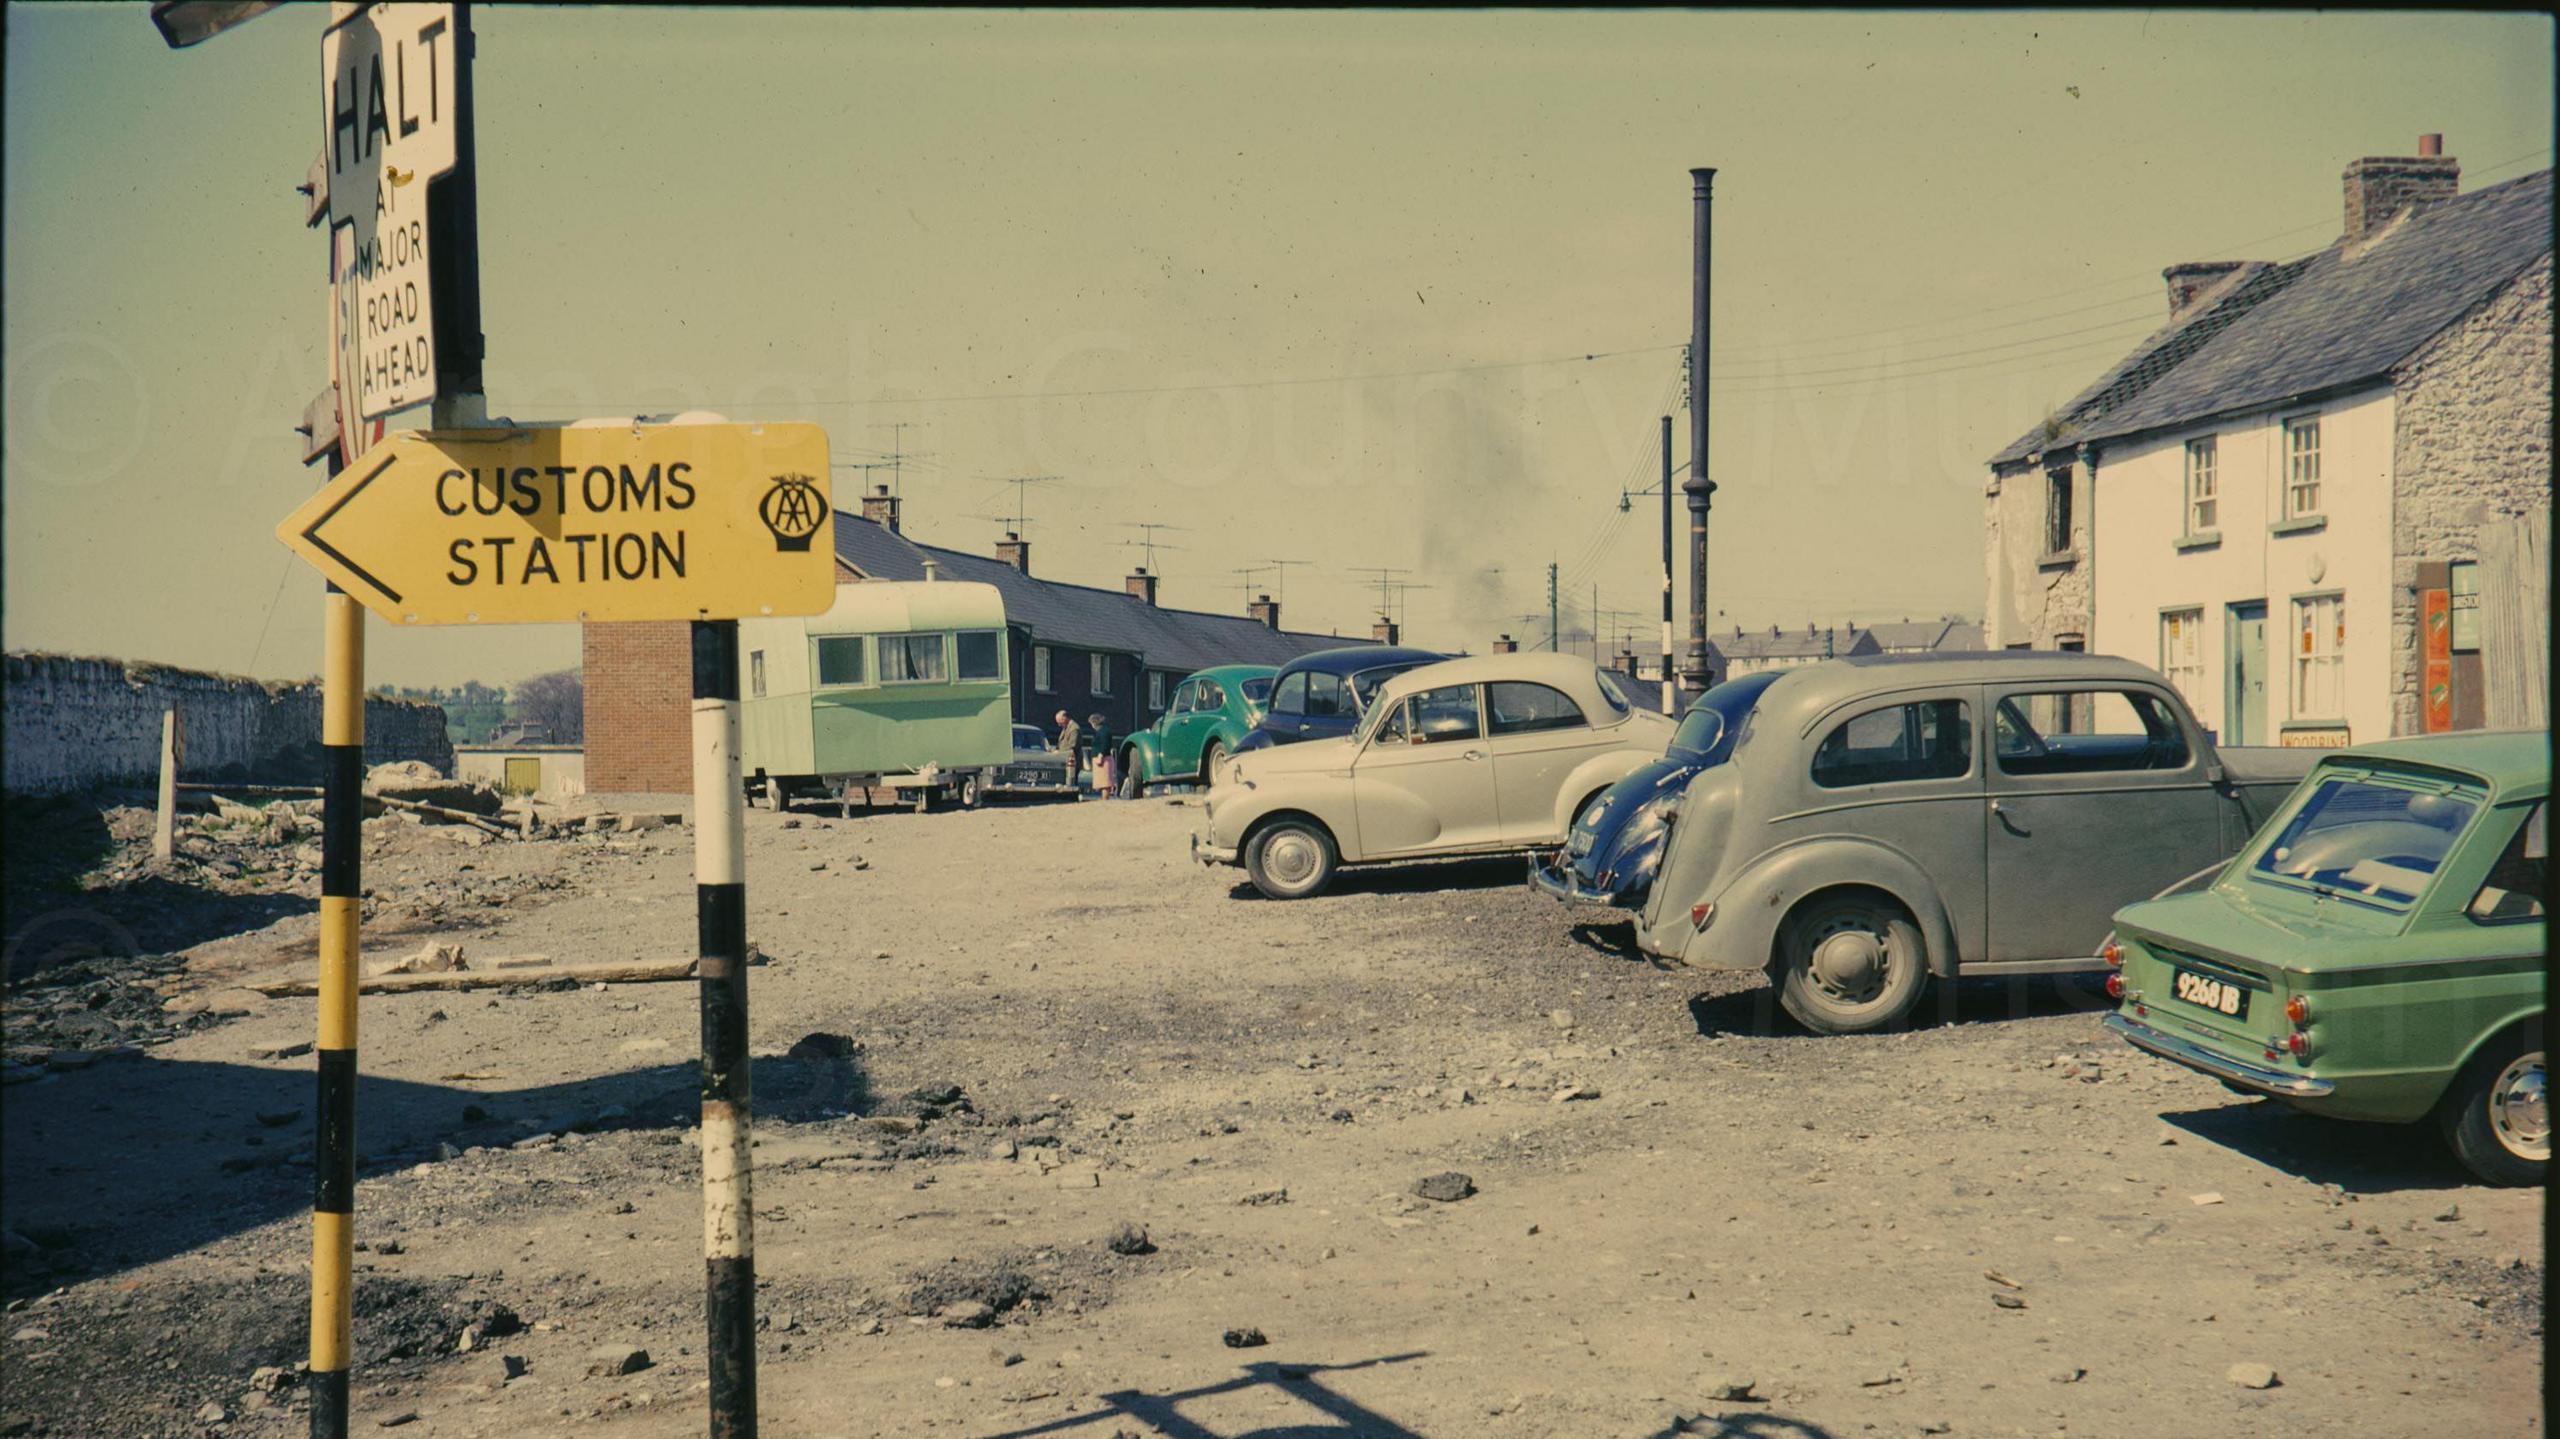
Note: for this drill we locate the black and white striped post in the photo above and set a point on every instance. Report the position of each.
(333, 1199)
(728, 1158)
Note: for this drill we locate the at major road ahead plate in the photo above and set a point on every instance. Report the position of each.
(586, 522)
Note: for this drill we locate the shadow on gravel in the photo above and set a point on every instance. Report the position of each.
(2359, 1158)
(1422, 877)
(1342, 1417)
(1743, 1426)
(133, 1160)
(1755, 1012)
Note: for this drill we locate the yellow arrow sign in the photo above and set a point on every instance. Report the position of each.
(612, 522)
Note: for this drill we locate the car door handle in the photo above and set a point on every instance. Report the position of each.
(2006, 823)
(1472, 754)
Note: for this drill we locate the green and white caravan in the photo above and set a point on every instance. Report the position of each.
(898, 685)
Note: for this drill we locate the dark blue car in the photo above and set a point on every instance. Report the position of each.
(1617, 844)
(1322, 695)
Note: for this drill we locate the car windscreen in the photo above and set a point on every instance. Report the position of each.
(1365, 684)
(2363, 838)
(1732, 701)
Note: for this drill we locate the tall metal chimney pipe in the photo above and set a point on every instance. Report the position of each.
(1699, 487)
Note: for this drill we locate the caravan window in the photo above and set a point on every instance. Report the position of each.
(913, 658)
(840, 660)
(979, 656)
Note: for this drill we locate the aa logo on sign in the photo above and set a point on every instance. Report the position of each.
(793, 509)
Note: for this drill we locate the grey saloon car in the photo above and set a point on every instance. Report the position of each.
(1887, 819)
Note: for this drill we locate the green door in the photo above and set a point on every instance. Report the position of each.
(1191, 726)
(2244, 679)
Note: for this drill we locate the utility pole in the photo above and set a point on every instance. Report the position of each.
(1670, 683)
(1700, 488)
(1552, 640)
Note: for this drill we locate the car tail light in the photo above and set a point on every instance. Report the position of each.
(1699, 914)
(2299, 1044)
(2298, 1009)
(2115, 986)
(2113, 954)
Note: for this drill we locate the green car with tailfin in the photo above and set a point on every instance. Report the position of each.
(2375, 953)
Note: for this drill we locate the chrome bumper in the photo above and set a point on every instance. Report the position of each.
(1208, 854)
(2221, 1066)
(1550, 876)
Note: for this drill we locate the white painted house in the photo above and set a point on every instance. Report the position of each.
(2310, 495)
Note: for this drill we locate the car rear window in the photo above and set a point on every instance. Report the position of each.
(2362, 838)
(1257, 691)
(1609, 691)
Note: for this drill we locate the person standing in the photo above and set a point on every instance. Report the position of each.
(1071, 744)
(1102, 757)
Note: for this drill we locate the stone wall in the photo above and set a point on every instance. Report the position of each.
(2473, 447)
(2032, 597)
(73, 722)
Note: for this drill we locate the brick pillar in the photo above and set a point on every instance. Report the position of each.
(639, 707)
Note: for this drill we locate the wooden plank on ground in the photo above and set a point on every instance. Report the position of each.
(499, 976)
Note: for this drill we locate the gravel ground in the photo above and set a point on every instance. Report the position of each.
(1055, 1125)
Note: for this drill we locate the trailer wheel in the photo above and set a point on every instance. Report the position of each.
(776, 798)
(968, 791)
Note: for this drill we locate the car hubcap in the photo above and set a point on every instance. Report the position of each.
(2520, 1109)
(1290, 859)
(1849, 960)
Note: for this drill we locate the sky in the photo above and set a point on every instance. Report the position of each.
(1355, 290)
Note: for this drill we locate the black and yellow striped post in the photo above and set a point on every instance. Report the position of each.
(333, 1202)
(728, 1159)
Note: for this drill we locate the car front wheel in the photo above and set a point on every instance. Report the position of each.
(1290, 860)
(2497, 1116)
(1850, 965)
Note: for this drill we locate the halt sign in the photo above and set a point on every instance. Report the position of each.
(584, 522)
(388, 102)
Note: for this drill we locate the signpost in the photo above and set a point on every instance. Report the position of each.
(394, 121)
(521, 525)
(582, 523)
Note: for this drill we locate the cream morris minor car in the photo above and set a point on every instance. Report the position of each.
(1491, 755)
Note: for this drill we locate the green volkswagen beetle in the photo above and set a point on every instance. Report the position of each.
(1211, 713)
(2375, 952)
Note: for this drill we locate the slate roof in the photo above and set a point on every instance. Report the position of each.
(1083, 615)
(1796, 644)
(2351, 313)
(1923, 635)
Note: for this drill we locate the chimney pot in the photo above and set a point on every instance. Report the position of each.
(2430, 146)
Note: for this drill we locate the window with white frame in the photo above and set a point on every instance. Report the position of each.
(2319, 656)
(1155, 690)
(755, 673)
(2302, 468)
(2182, 652)
(1101, 675)
(1040, 668)
(2204, 488)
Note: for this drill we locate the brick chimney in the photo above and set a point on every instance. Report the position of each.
(1505, 645)
(2379, 187)
(1385, 631)
(1264, 611)
(1014, 550)
(1141, 584)
(881, 508)
(1627, 663)
(2190, 280)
